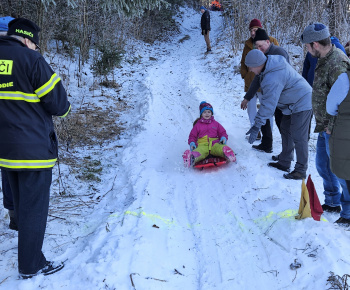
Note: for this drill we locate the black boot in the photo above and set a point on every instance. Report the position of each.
(343, 222)
(278, 166)
(327, 208)
(263, 148)
(49, 268)
(295, 175)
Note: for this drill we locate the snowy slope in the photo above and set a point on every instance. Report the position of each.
(161, 226)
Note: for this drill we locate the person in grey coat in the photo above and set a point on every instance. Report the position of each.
(284, 88)
(262, 42)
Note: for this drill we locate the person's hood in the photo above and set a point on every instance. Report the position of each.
(334, 40)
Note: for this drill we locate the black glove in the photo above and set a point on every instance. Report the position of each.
(253, 131)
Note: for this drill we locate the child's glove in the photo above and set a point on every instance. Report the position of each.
(223, 140)
(253, 131)
(192, 146)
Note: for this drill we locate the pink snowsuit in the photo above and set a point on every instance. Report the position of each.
(206, 134)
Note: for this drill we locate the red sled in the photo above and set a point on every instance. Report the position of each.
(210, 161)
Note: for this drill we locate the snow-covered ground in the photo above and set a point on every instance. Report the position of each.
(153, 224)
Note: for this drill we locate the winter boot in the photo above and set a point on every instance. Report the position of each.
(278, 166)
(295, 175)
(262, 148)
(328, 208)
(230, 155)
(343, 221)
(187, 157)
(49, 268)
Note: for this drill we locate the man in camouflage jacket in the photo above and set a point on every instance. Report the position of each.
(331, 63)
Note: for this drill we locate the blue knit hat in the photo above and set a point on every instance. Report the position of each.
(202, 7)
(205, 106)
(4, 21)
(315, 32)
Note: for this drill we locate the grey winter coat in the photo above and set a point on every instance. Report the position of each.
(255, 85)
(283, 87)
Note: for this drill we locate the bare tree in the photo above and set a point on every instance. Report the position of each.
(285, 19)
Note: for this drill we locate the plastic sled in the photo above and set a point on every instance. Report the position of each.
(210, 161)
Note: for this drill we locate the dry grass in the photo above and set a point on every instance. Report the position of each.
(337, 282)
(90, 126)
(186, 37)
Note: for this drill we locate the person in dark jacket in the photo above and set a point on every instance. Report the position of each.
(30, 94)
(6, 189)
(338, 104)
(205, 26)
(262, 42)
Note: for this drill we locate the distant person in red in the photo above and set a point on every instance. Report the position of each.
(215, 6)
(205, 26)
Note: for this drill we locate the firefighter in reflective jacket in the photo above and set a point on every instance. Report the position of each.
(30, 94)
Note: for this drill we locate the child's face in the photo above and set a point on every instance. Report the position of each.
(206, 114)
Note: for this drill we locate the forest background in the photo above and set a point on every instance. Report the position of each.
(86, 29)
(97, 30)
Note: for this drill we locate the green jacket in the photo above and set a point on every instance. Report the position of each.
(339, 141)
(327, 71)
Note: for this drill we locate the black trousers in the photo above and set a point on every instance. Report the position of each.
(267, 139)
(278, 118)
(31, 195)
(6, 190)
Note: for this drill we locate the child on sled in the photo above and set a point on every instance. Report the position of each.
(207, 137)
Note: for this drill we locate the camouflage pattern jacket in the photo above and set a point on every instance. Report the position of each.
(327, 71)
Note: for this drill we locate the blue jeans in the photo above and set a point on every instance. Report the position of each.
(331, 183)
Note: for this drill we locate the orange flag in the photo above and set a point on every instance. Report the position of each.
(309, 205)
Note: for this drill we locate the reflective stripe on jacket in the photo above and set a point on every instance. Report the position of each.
(30, 94)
